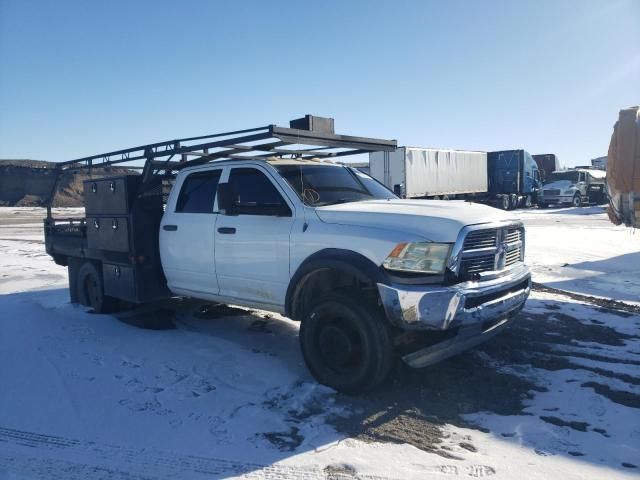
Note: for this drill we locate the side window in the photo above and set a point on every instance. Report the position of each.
(198, 192)
(253, 193)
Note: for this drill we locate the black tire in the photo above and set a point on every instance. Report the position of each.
(577, 200)
(513, 201)
(505, 203)
(91, 289)
(347, 343)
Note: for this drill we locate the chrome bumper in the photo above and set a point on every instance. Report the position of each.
(555, 199)
(477, 310)
(422, 307)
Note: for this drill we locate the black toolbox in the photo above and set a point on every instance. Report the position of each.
(111, 196)
(108, 203)
(108, 233)
(122, 224)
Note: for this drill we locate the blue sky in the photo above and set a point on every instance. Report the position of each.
(81, 77)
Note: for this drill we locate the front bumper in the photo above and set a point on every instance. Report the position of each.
(555, 199)
(476, 310)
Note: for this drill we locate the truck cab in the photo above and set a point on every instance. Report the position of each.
(575, 187)
(514, 178)
(283, 235)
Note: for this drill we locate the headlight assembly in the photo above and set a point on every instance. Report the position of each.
(418, 257)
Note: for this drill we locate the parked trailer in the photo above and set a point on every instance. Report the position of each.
(506, 179)
(623, 169)
(547, 163)
(428, 172)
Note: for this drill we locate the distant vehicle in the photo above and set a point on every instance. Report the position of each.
(413, 172)
(623, 169)
(255, 219)
(599, 163)
(514, 179)
(575, 187)
(506, 179)
(547, 163)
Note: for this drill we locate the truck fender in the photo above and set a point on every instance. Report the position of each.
(346, 261)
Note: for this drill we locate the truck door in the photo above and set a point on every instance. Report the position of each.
(252, 244)
(582, 183)
(187, 238)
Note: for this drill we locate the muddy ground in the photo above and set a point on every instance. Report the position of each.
(417, 403)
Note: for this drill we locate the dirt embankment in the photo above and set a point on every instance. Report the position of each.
(28, 183)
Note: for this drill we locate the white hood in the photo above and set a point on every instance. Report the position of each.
(435, 220)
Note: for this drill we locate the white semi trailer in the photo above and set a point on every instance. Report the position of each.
(428, 172)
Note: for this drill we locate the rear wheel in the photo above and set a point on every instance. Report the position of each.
(513, 201)
(346, 343)
(504, 202)
(91, 289)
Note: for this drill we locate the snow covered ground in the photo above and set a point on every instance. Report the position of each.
(226, 394)
(580, 250)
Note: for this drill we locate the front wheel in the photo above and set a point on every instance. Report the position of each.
(528, 202)
(346, 343)
(505, 202)
(577, 200)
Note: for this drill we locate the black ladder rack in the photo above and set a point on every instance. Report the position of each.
(258, 143)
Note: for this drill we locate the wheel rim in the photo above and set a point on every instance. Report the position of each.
(340, 346)
(505, 203)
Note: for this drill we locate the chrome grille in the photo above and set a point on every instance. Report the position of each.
(480, 239)
(490, 249)
(513, 235)
(512, 257)
(475, 265)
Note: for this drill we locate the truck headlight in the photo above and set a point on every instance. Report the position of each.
(418, 257)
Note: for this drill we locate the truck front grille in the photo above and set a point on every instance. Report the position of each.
(489, 250)
(480, 239)
(551, 192)
(472, 266)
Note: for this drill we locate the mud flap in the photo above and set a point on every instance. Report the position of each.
(72, 268)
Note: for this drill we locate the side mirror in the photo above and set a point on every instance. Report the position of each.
(225, 199)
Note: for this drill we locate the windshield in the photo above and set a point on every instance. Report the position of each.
(319, 185)
(555, 176)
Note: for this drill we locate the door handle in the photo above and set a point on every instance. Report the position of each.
(170, 228)
(227, 230)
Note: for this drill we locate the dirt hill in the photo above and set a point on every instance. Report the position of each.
(28, 183)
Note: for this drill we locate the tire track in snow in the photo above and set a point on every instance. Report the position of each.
(90, 460)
